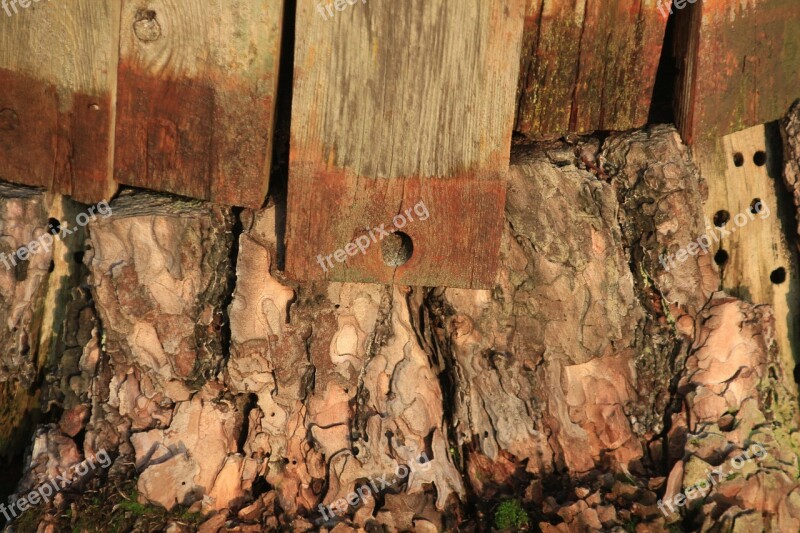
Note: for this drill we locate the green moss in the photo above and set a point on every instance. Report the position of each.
(510, 515)
(112, 508)
(630, 526)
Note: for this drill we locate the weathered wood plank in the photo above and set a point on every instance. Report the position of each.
(739, 65)
(588, 65)
(431, 87)
(747, 228)
(58, 67)
(197, 83)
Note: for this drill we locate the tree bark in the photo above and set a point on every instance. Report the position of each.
(600, 378)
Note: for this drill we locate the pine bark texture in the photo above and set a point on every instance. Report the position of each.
(591, 382)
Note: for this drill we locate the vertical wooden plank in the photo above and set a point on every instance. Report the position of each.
(739, 65)
(58, 65)
(588, 65)
(197, 83)
(397, 103)
(756, 258)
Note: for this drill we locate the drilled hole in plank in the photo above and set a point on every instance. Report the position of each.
(721, 218)
(397, 249)
(738, 159)
(756, 206)
(778, 276)
(760, 158)
(721, 257)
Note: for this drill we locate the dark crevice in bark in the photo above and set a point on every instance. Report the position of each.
(382, 333)
(437, 342)
(658, 340)
(230, 286)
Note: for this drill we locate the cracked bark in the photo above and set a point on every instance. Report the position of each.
(589, 383)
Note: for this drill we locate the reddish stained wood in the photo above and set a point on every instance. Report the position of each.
(433, 114)
(164, 134)
(453, 246)
(588, 65)
(739, 65)
(57, 73)
(196, 97)
(28, 122)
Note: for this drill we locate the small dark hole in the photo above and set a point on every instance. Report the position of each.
(355, 450)
(760, 158)
(273, 414)
(54, 225)
(148, 14)
(738, 159)
(183, 483)
(78, 256)
(778, 276)
(52, 266)
(756, 206)
(721, 257)
(397, 249)
(294, 462)
(721, 218)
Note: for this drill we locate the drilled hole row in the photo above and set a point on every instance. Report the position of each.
(722, 217)
(759, 158)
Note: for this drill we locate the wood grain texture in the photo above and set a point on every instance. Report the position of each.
(430, 86)
(197, 84)
(739, 65)
(756, 244)
(588, 65)
(58, 66)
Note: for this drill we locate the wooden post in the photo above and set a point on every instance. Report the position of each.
(197, 84)
(58, 68)
(402, 118)
(588, 65)
(739, 65)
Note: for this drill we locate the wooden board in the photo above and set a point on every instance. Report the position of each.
(740, 169)
(588, 65)
(739, 65)
(58, 66)
(397, 103)
(196, 98)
